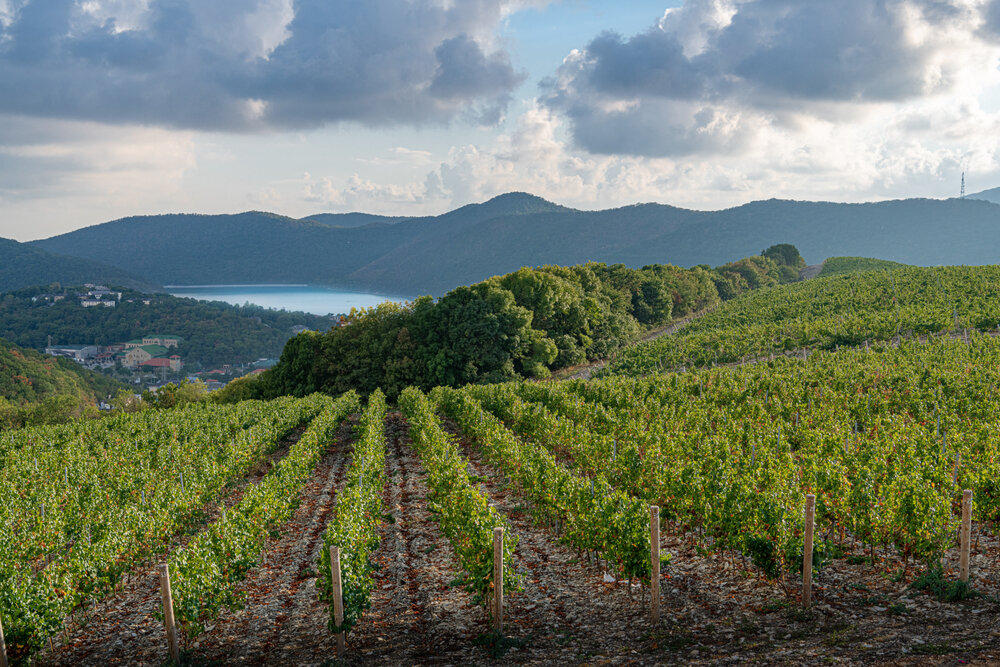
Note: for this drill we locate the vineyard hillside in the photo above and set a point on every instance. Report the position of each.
(837, 265)
(806, 473)
(828, 313)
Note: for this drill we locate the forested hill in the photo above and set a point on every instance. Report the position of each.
(352, 219)
(255, 247)
(36, 387)
(434, 254)
(22, 265)
(993, 195)
(214, 333)
(522, 324)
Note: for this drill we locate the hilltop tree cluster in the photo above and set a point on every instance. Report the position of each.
(522, 324)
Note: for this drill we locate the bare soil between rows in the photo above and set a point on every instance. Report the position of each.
(570, 610)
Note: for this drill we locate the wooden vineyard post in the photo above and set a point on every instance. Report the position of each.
(807, 551)
(963, 559)
(338, 599)
(168, 614)
(3, 648)
(654, 557)
(498, 578)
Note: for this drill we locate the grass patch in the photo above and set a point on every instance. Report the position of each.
(772, 606)
(934, 649)
(898, 609)
(873, 600)
(498, 644)
(841, 635)
(932, 581)
(674, 639)
(798, 614)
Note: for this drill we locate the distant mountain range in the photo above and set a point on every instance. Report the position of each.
(421, 255)
(993, 195)
(25, 265)
(352, 219)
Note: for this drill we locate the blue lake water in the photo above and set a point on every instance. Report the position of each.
(307, 298)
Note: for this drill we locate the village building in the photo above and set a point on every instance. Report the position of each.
(48, 298)
(165, 340)
(136, 356)
(90, 302)
(172, 363)
(78, 353)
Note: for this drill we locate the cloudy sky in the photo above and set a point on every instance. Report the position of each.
(111, 108)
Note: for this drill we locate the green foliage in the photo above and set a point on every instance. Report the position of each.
(460, 508)
(933, 581)
(96, 497)
(213, 333)
(732, 451)
(176, 395)
(784, 254)
(39, 389)
(240, 389)
(205, 573)
(127, 401)
(826, 313)
(356, 520)
(836, 266)
(594, 515)
(523, 324)
(23, 264)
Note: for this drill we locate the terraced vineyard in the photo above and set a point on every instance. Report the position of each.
(244, 503)
(828, 313)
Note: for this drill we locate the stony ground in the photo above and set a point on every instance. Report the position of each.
(570, 610)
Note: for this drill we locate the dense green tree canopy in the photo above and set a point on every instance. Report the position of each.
(522, 324)
(214, 333)
(784, 254)
(37, 388)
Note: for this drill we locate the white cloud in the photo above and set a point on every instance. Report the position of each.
(51, 171)
(194, 64)
(916, 150)
(715, 76)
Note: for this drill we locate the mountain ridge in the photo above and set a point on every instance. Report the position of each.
(433, 254)
(25, 265)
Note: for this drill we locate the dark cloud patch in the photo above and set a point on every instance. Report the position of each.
(853, 50)
(991, 18)
(464, 68)
(375, 62)
(34, 35)
(661, 127)
(710, 75)
(653, 62)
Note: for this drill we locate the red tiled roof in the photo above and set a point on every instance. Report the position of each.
(157, 363)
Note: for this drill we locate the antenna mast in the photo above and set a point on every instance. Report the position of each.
(964, 164)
